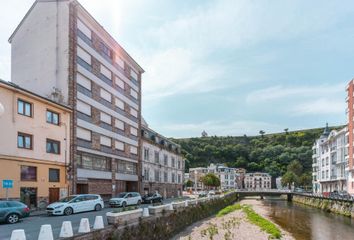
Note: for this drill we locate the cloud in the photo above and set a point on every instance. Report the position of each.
(322, 106)
(220, 128)
(280, 92)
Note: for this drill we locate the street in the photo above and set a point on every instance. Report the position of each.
(32, 225)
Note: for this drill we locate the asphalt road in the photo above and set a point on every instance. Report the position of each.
(32, 225)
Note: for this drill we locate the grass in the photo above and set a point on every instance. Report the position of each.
(228, 209)
(261, 222)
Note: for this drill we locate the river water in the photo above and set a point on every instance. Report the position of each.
(304, 222)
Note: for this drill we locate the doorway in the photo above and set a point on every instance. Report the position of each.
(28, 196)
(53, 195)
(82, 188)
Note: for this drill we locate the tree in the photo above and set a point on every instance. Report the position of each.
(289, 178)
(189, 183)
(286, 130)
(210, 180)
(305, 180)
(295, 167)
(262, 133)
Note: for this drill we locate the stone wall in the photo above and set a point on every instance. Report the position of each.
(165, 226)
(341, 207)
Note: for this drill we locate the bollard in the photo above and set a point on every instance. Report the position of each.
(186, 203)
(18, 234)
(98, 223)
(146, 212)
(84, 225)
(170, 207)
(66, 230)
(46, 232)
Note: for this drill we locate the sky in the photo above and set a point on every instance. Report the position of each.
(229, 67)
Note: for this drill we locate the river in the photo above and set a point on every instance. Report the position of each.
(306, 223)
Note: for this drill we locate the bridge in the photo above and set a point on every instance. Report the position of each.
(265, 192)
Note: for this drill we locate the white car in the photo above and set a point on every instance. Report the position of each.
(75, 204)
(125, 198)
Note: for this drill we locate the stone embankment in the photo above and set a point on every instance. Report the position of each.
(342, 207)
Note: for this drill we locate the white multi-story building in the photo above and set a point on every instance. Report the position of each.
(258, 181)
(61, 52)
(162, 164)
(329, 162)
(230, 178)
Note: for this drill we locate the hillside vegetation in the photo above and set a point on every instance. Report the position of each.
(271, 153)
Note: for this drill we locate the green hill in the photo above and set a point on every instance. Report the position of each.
(271, 153)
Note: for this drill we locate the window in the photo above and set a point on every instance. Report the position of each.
(54, 175)
(104, 117)
(133, 150)
(119, 145)
(173, 162)
(84, 55)
(83, 107)
(157, 157)
(146, 174)
(127, 167)
(133, 74)
(24, 108)
(105, 95)
(83, 81)
(165, 177)
(83, 133)
(157, 176)
(94, 162)
(134, 131)
(173, 178)
(179, 178)
(52, 117)
(106, 72)
(53, 146)
(24, 141)
(119, 62)
(165, 159)
(119, 124)
(119, 82)
(119, 103)
(146, 154)
(106, 141)
(28, 173)
(83, 28)
(134, 93)
(106, 50)
(179, 165)
(133, 112)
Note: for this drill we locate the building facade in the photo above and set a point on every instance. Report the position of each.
(230, 178)
(329, 162)
(350, 136)
(162, 165)
(79, 64)
(34, 146)
(258, 181)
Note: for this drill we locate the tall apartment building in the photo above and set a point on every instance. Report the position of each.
(258, 181)
(34, 146)
(329, 162)
(230, 178)
(350, 136)
(61, 52)
(162, 164)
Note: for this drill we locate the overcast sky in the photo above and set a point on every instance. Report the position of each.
(230, 67)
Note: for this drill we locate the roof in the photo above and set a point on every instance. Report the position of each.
(17, 87)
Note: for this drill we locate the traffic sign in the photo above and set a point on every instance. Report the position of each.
(7, 183)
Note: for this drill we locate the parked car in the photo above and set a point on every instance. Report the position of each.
(152, 198)
(202, 194)
(299, 190)
(12, 211)
(126, 198)
(211, 192)
(75, 204)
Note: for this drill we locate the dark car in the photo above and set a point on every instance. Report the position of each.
(13, 211)
(152, 198)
